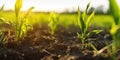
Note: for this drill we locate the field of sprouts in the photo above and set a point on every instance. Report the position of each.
(27, 35)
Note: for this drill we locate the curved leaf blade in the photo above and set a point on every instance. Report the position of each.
(2, 8)
(18, 6)
(90, 18)
(114, 9)
(81, 21)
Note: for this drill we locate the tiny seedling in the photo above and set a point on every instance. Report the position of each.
(17, 25)
(84, 22)
(115, 29)
(2, 34)
(21, 25)
(53, 22)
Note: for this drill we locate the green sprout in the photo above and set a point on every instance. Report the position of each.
(18, 6)
(84, 22)
(21, 25)
(53, 22)
(115, 29)
(3, 36)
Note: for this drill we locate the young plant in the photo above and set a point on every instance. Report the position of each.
(84, 22)
(115, 29)
(53, 22)
(21, 25)
(2, 34)
(18, 6)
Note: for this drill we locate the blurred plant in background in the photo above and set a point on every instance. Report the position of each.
(53, 22)
(3, 37)
(115, 29)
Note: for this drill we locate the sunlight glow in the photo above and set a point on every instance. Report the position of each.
(56, 5)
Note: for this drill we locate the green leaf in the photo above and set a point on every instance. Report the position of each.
(84, 15)
(89, 19)
(114, 9)
(115, 32)
(93, 46)
(2, 20)
(119, 15)
(2, 8)
(83, 25)
(114, 29)
(88, 5)
(94, 32)
(79, 12)
(28, 12)
(79, 35)
(81, 21)
(78, 20)
(18, 6)
(53, 22)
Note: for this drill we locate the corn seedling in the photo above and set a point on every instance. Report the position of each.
(115, 30)
(21, 25)
(2, 34)
(18, 6)
(84, 22)
(53, 22)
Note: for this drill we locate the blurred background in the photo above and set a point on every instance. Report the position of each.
(59, 5)
(66, 8)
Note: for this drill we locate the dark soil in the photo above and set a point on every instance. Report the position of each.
(39, 44)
